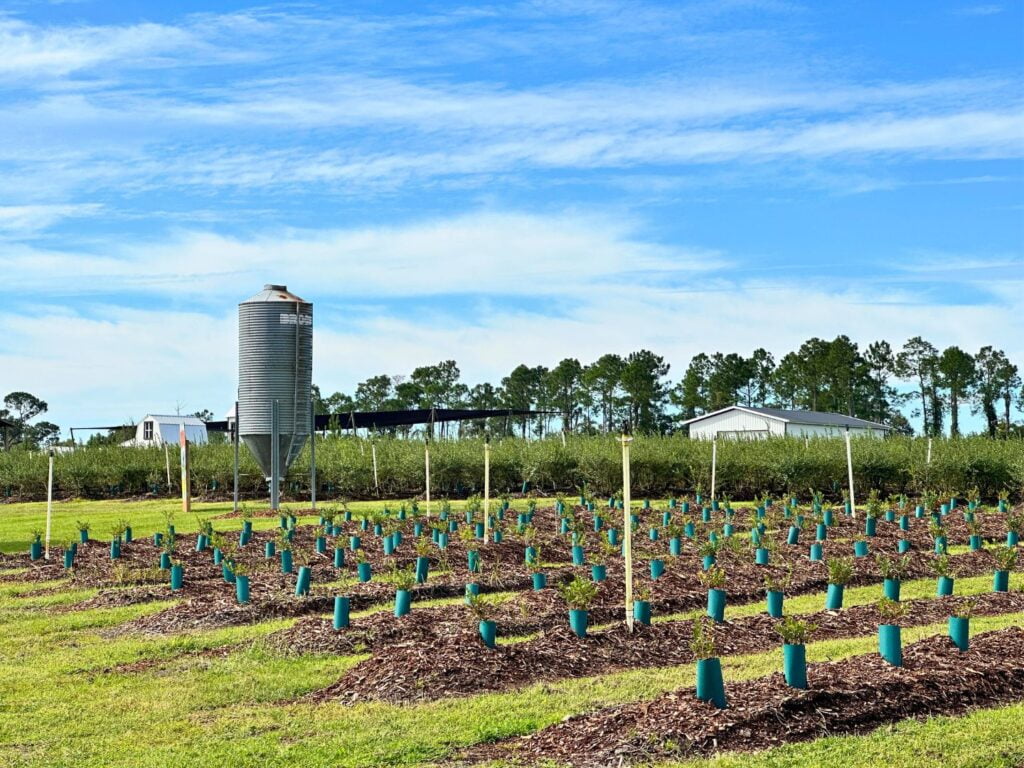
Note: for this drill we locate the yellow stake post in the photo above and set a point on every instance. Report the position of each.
(186, 484)
(627, 530)
(487, 490)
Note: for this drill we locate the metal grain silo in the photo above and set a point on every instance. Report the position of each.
(275, 363)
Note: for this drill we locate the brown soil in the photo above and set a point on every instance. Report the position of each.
(851, 696)
(412, 670)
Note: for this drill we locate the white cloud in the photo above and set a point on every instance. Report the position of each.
(503, 253)
(22, 219)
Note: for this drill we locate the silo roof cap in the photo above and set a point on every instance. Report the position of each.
(273, 292)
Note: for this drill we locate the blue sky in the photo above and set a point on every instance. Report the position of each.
(497, 184)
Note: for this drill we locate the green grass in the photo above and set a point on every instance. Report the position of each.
(66, 701)
(146, 517)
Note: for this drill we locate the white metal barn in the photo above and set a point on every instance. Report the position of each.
(741, 422)
(158, 429)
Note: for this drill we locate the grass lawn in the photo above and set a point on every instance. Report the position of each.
(71, 696)
(147, 517)
(70, 700)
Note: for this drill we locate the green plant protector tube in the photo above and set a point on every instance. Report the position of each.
(302, 580)
(860, 549)
(69, 558)
(774, 601)
(339, 557)
(578, 555)
(473, 561)
(904, 546)
(960, 632)
(286, 561)
(489, 633)
(716, 605)
(354, 542)
(944, 586)
(530, 554)
(890, 644)
(35, 550)
(598, 572)
(83, 536)
(403, 602)
(642, 612)
(653, 534)
(834, 597)
(177, 577)
(540, 580)
(422, 569)
(817, 552)
(341, 611)
(794, 665)
(578, 622)
(794, 535)
(974, 543)
(363, 569)
(710, 685)
(242, 589)
(165, 561)
(115, 549)
(891, 589)
(708, 561)
(1001, 581)
(657, 568)
(675, 546)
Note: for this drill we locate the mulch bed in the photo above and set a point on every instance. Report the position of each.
(851, 696)
(409, 668)
(207, 601)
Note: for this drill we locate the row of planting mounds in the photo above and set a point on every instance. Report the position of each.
(413, 669)
(851, 696)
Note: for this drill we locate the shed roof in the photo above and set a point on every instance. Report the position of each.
(817, 418)
(188, 421)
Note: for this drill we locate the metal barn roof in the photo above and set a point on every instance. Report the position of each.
(817, 418)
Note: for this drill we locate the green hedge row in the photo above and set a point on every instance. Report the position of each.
(662, 466)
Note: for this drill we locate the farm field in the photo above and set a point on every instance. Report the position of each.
(105, 664)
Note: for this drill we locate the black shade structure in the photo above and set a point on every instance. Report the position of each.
(385, 419)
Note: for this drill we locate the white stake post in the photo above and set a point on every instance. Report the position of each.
(487, 490)
(849, 473)
(627, 530)
(929, 459)
(167, 464)
(49, 504)
(376, 483)
(714, 464)
(186, 485)
(426, 461)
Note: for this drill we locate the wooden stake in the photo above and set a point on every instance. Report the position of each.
(426, 460)
(487, 490)
(186, 485)
(627, 530)
(714, 464)
(929, 459)
(167, 462)
(376, 484)
(49, 504)
(849, 473)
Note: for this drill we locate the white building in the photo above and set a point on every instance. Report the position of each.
(741, 422)
(158, 429)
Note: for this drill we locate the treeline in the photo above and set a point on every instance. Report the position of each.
(873, 383)
(662, 466)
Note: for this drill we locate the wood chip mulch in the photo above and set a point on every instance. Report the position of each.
(851, 696)
(410, 667)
